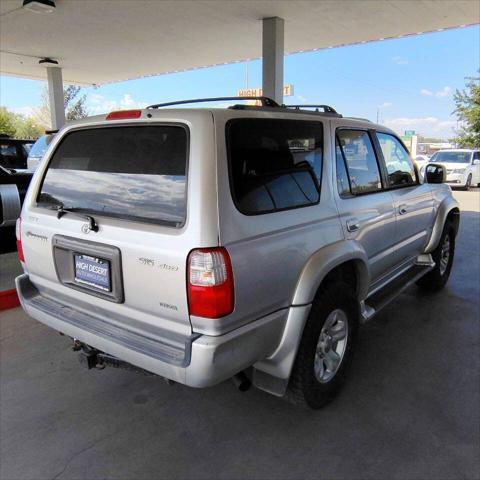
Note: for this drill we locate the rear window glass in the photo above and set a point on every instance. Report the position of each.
(274, 164)
(135, 173)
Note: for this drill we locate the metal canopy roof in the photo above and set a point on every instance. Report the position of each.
(104, 41)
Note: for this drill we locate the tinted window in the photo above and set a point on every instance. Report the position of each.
(359, 155)
(274, 164)
(476, 156)
(8, 149)
(136, 173)
(9, 155)
(343, 185)
(399, 166)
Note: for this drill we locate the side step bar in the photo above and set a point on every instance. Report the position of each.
(373, 304)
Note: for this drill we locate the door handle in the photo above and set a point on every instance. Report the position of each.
(402, 209)
(353, 225)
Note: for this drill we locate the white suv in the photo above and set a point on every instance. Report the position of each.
(206, 244)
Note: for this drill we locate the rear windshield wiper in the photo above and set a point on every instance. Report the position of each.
(92, 224)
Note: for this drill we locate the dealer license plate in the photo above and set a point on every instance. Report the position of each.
(92, 271)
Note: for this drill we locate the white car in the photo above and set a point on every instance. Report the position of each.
(462, 164)
(38, 150)
(421, 161)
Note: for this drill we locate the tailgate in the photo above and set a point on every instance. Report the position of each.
(131, 180)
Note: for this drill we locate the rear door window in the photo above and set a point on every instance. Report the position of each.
(361, 161)
(131, 172)
(274, 164)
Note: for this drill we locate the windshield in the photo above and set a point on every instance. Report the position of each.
(39, 147)
(136, 173)
(452, 157)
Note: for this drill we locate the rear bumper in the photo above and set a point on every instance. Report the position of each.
(196, 360)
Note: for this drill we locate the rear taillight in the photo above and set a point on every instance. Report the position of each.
(18, 233)
(210, 283)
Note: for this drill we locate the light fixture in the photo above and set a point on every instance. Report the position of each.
(48, 62)
(39, 6)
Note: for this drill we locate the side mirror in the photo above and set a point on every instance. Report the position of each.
(476, 162)
(435, 173)
(10, 206)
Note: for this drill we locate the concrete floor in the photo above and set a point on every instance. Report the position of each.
(410, 409)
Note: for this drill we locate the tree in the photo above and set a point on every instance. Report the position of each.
(18, 126)
(467, 103)
(26, 127)
(7, 122)
(73, 103)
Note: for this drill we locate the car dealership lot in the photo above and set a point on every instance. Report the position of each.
(409, 410)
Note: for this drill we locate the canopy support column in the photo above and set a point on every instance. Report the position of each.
(55, 97)
(272, 58)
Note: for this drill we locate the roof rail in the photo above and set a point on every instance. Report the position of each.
(266, 102)
(326, 108)
(360, 118)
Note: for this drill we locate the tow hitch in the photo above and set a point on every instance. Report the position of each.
(92, 358)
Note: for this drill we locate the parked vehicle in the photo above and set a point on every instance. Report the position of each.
(38, 151)
(421, 161)
(14, 152)
(247, 242)
(462, 165)
(13, 187)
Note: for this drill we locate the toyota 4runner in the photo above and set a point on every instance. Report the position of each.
(246, 242)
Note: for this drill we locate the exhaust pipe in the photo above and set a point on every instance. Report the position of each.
(241, 381)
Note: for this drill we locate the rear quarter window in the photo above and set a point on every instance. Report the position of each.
(274, 164)
(129, 172)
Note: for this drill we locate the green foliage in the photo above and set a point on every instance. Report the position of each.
(27, 128)
(18, 126)
(467, 102)
(7, 122)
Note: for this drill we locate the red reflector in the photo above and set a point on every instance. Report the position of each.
(18, 233)
(210, 283)
(124, 114)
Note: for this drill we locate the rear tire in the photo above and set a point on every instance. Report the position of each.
(469, 183)
(443, 255)
(326, 348)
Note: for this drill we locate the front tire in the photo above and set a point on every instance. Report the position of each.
(443, 255)
(468, 184)
(326, 347)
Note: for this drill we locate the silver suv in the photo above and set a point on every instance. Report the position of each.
(246, 242)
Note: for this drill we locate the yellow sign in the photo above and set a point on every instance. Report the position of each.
(258, 92)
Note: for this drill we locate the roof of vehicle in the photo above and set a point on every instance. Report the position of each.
(235, 111)
(20, 140)
(458, 150)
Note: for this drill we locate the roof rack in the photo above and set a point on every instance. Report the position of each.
(360, 118)
(326, 108)
(266, 102)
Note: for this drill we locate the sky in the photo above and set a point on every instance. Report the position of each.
(409, 82)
